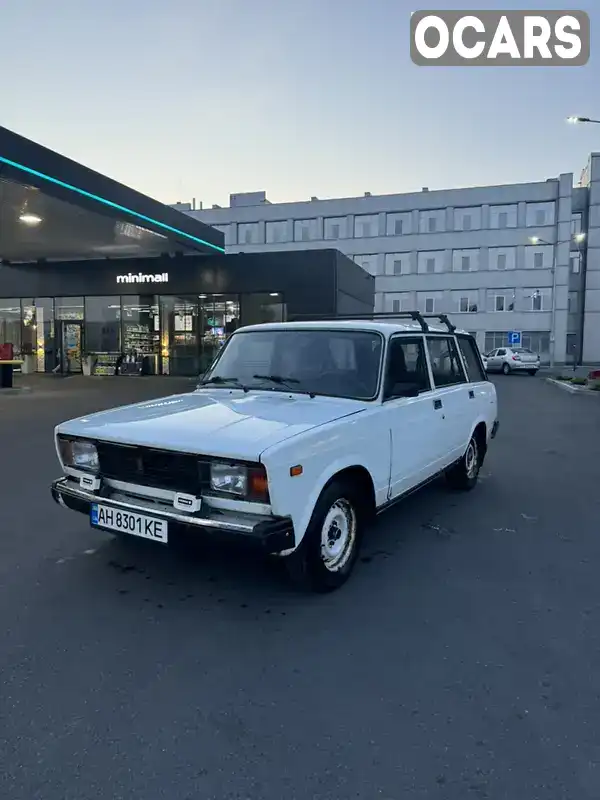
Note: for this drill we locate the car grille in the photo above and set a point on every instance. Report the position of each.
(160, 469)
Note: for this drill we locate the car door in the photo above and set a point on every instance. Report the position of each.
(452, 391)
(491, 361)
(413, 420)
(500, 358)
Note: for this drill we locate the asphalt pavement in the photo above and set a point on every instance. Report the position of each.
(461, 661)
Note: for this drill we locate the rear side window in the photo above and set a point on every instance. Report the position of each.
(445, 362)
(470, 355)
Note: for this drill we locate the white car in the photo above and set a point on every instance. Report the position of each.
(298, 435)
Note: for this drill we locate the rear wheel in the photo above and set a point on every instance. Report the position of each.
(463, 476)
(328, 552)
(505, 369)
(532, 372)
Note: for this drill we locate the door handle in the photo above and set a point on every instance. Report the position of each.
(437, 404)
(471, 394)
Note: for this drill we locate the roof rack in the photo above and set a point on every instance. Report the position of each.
(415, 316)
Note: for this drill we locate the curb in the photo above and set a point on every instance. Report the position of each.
(566, 387)
(16, 390)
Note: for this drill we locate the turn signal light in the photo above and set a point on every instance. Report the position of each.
(258, 485)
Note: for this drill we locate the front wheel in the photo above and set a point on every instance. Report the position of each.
(463, 476)
(505, 369)
(329, 550)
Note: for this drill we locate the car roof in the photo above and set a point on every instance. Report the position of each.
(386, 328)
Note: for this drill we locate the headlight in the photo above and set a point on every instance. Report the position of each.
(79, 454)
(249, 482)
(229, 478)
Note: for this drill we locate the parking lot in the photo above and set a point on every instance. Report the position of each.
(462, 660)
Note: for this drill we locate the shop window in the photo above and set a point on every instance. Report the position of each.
(45, 339)
(179, 335)
(10, 324)
(140, 322)
(69, 308)
(219, 317)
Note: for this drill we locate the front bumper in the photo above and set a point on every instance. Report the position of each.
(270, 535)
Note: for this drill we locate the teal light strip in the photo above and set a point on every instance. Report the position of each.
(108, 203)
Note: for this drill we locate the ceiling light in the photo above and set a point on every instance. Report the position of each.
(274, 294)
(30, 219)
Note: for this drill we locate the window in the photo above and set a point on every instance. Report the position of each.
(430, 302)
(103, 325)
(494, 340)
(398, 224)
(502, 258)
(470, 354)
(504, 216)
(276, 232)
(432, 221)
(406, 368)
(576, 223)
(465, 260)
(539, 257)
(368, 263)
(429, 262)
(467, 219)
(335, 228)
(539, 214)
(465, 302)
(397, 264)
(537, 342)
(501, 300)
(327, 362)
(366, 225)
(397, 302)
(576, 264)
(305, 230)
(540, 299)
(445, 362)
(248, 233)
(228, 231)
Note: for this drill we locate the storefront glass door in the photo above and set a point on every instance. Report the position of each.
(71, 347)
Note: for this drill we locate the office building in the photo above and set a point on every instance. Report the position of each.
(514, 258)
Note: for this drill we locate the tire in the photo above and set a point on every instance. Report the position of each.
(505, 369)
(463, 476)
(323, 563)
(533, 372)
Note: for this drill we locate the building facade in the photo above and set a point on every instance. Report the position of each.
(519, 257)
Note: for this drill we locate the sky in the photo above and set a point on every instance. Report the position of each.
(203, 98)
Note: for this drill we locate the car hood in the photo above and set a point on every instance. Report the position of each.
(220, 422)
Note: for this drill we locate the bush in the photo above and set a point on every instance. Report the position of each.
(564, 378)
(594, 385)
(579, 381)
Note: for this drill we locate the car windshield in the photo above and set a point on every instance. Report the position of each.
(327, 362)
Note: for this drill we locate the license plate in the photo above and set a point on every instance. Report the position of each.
(127, 522)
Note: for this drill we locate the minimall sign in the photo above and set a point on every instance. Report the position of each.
(500, 38)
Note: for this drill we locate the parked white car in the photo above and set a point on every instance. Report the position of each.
(512, 359)
(298, 435)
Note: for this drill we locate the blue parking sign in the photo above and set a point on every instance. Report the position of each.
(514, 338)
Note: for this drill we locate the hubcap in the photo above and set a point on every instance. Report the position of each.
(472, 459)
(338, 535)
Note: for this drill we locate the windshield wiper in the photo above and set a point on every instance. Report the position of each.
(221, 380)
(281, 381)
